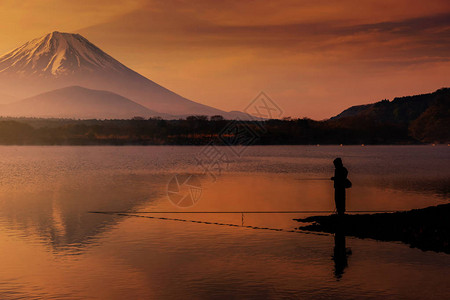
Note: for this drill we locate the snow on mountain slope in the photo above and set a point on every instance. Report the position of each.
(80, 103)
(57, 54)
(59, 60)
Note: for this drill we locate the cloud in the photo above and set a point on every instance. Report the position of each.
(203, 25)
(25, 20)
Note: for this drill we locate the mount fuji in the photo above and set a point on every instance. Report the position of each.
(60, 60)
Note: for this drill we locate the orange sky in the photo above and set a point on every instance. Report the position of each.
(313, 58)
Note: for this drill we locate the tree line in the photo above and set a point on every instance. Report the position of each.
(201, 130)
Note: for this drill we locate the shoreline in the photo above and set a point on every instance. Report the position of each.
(427, 228)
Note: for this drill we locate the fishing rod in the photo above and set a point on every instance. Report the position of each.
(221, 224)
(329, 179)
(241, 212)
(139, 215)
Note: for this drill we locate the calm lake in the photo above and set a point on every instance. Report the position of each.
(52, 247)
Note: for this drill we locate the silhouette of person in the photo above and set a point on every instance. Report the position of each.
(340, 253)
(340, 183)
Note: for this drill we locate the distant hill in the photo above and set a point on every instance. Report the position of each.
(5, 99)
(433, 125)
(79, 103)
(353, 111)
(426, 116)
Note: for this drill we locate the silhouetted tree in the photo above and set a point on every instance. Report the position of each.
(216, 118)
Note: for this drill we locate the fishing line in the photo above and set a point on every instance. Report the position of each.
(243, 212)
(217, 223)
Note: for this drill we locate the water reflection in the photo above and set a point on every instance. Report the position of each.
(340, 254)
(56, 211)
(46, 193)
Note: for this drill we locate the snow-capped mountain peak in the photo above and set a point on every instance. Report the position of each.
(59, 60)
(57, 54)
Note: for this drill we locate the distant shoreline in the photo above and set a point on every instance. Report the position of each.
(203, 131)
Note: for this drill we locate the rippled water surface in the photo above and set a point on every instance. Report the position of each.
(52, 247)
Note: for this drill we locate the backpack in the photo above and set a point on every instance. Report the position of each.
(347, 183)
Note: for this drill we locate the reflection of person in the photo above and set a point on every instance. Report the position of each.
(340, 254)
(340, 183)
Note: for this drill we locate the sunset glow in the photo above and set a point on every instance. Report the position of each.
(314, 58)
(234, 149)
